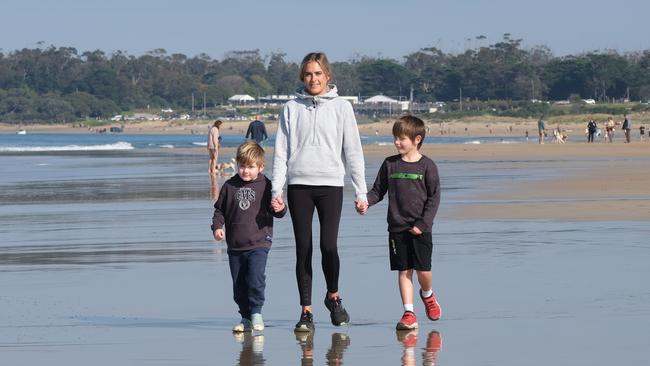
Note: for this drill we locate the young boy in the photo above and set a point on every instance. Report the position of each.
(244, 206)
(413, 186)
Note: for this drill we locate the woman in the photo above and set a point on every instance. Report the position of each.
(317, 136)
(213, 147)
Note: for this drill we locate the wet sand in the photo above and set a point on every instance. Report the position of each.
(107, 259)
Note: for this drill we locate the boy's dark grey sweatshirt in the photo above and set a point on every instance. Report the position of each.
(245, 210)
(413, 192)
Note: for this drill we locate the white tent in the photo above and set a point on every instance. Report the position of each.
(241, 98)
(380, 99)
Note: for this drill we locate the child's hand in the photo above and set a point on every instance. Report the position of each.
(278, 200)
(361, 206)
(277, 205)
(218, 234)
(415, 231)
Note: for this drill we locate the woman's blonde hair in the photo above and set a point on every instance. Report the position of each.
(320, 58)
(250, 152)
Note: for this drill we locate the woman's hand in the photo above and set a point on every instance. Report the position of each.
(218, 234)
(277, 204)
(361, 206)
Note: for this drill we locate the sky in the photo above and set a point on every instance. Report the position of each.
(345, 30)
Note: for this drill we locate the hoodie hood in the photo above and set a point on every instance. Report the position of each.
(307, 98)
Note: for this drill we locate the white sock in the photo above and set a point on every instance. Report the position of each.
(426, 293)
(408, 307)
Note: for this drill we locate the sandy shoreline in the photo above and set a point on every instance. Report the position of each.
(594, 182)
(602, 182)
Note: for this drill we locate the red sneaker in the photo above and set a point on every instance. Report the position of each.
(432, 306)
(408, 321)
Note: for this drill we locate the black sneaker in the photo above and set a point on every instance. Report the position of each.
(306, 323)
(337, 312)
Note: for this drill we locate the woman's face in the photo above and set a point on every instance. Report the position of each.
(315, 79)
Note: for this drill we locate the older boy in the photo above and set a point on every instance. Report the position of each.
(413, 186)
(244, 206)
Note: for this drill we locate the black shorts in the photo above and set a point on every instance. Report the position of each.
(408, 251)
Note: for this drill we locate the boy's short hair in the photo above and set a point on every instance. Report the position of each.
(410, 126)
(250, 152)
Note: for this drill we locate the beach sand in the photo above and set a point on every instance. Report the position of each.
(540, 252)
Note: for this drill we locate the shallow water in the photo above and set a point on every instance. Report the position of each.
(107, 258)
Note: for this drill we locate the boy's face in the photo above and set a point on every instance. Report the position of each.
(249, 172)
(405, 145)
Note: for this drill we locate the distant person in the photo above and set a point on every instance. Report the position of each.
(413, 186)
(557, 134)
(627, 127)
(214, 140)
(609, 129)
(642, 132)
(244, 215)
(257, 130)
(541, 129)
(317, 138)
(591, 130)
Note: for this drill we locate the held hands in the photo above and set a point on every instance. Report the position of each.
(277, 203)
(415, 231)
(218, 234)
(361, 206)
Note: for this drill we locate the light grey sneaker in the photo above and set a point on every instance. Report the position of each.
(244, 325)
(258, 322)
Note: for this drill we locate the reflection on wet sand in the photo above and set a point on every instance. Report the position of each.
(409, 341)
(334, 355)
(306, 342)
(96, 254)
(340, 342)
(252, 349)
(214, 188)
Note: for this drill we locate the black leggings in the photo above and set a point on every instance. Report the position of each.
(328, 201)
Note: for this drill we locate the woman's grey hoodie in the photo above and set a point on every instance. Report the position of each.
(317, 137)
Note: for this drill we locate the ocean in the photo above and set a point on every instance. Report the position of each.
(106, 258)
(60, 142)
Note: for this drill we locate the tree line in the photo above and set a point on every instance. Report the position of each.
(57, 84)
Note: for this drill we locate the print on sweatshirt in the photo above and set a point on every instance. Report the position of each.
(245, 196)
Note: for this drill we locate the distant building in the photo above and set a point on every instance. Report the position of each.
(277, 98)
(241, 99)
(381, 99)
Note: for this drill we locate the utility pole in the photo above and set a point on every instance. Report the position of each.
(203, 104)
(532, 88)
(192, 104)
(460, 99)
